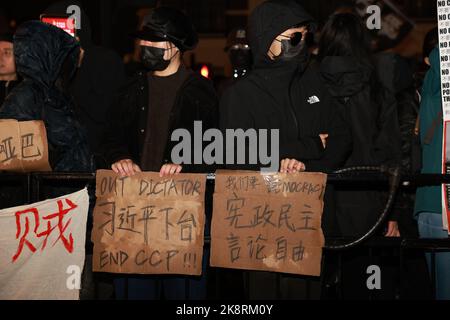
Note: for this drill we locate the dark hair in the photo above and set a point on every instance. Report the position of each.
(344, 34)
(430, 42)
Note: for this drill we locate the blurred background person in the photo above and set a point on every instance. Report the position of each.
(240, 56)
(428, 208)
(99, 76)
(47, 58)
(348, 71)
(8, 74)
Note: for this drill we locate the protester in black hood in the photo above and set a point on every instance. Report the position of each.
(261, 100)
(99, 76)
(265, 100)
(283, 91)
(47, 58)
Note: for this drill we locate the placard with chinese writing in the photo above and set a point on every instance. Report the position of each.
(42, 249)
(268, 222)
(146, 224)
(23, 146)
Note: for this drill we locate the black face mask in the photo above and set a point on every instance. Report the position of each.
(153, 58)
(240, 58)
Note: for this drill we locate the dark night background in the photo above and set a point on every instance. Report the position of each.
(113, 20)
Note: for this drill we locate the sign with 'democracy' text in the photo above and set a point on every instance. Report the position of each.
(146, 224)
(268, 222)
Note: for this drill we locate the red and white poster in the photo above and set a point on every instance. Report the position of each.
(42, 249)
(444, 48)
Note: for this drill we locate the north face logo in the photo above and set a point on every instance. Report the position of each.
(313, 100)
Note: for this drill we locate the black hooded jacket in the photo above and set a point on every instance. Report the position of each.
(285, 95)
(99, 77)
(46, 58)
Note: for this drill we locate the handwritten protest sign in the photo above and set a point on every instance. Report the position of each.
(42, 249)
(149, 225)
(443, 8)
(23, 146)
(268, 222)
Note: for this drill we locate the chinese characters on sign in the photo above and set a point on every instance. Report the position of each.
(149, 225)
(38, 244)
(443, 9)
(23, 146)
(32, 223)
(268, 222)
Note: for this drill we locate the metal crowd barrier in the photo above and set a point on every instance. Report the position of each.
(31, 186)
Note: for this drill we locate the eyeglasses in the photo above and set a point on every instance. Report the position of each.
(295, 38)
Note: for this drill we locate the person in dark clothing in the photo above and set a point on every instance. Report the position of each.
(151, 107)
(264, 98)
(396, 75)
(283, 91)
(240, 56)
(98, 78)
(47, 58)
(369, 109)
(8, 74)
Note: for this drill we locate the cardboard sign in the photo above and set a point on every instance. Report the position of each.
(268, 222)
(42, 249)
(149, 225)
(23, 146)
(443, 11)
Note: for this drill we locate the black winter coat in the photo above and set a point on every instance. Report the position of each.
(285, 95)
(369, 109)
(46, 58)
(288, 96)
(196, 101)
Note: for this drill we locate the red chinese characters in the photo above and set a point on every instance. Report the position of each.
(43, 227)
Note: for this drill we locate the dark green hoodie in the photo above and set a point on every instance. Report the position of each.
(429, 199)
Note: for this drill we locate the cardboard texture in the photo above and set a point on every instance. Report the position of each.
(23, 146)
(268, 222)
(149, 225)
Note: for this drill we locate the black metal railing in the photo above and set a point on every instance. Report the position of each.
(32, 187)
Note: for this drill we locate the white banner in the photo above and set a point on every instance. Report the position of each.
(444, 50)
(42, 249)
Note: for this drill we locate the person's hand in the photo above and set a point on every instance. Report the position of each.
(126, 168)
(324, 138)
(292, 166)
(170, 169)
(393, 231)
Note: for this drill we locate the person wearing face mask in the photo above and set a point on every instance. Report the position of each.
(164, 97)
(240, 57)
(283, 91)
